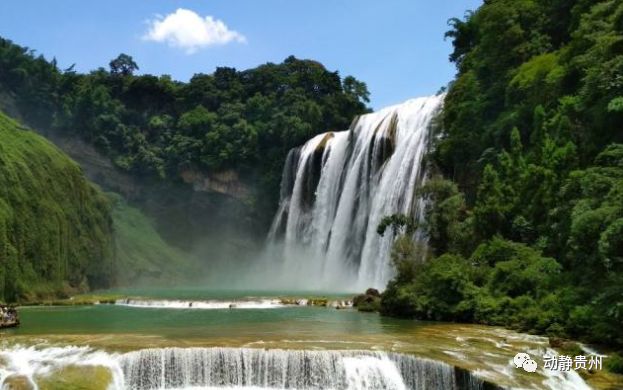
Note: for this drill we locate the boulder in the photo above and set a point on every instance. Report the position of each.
(17, 382)
(373, 292)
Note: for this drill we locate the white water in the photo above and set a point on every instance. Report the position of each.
(338, 187)
(32, 362)
(201, 305)
(223, 304)
(240, 368)
(249, 368)
(246, 368)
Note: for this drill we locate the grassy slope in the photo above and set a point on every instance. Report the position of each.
(59, 235)
(142, 255)
(55, 227)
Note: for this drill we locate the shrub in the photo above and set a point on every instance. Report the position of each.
(614, 363)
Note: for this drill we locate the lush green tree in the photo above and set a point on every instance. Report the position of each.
(532, 138)
(155, 127)
(123, 65)
(447, 222)
(356, 90)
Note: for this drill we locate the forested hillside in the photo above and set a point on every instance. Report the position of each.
(199, 163)
(56, 231)
(156, 128)
(526, 224)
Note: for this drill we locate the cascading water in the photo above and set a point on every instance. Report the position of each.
(339, 185)
(249, 368)
(279, 369)
(241, 368)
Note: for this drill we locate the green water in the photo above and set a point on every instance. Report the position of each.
(489, 350)
(180, 323)
(293, 322)
(202, 293)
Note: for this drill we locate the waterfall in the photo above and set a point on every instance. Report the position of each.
(249, 368)
(238, 368)
(338, 186)
(201, 304)
(282, 369)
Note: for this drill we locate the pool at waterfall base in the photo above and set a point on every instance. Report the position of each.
(189, 339)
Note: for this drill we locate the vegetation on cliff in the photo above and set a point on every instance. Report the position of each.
(141, 253)
(55, 227)
(526, 221)
(154, 127)
(158, 130)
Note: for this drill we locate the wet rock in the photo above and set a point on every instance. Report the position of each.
(17, 382)
(318, 302)
(76, 377)
(556, 342)
(373, 292)
(290, 301)
(565, 347)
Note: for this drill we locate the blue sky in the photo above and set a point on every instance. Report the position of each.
(395, 46)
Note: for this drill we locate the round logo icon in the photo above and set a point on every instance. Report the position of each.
(523, 360)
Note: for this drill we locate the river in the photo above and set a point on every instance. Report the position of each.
(197, 338)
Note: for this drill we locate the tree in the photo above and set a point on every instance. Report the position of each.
(446, 223)
(123, 65)
(358, 90)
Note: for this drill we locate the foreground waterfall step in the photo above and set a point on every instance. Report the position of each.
(279, 369)
(339, 185)
(200, 368)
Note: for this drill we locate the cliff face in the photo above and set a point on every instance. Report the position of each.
(189, 212)
(101, 170)
(55, 228)
(97, 167)
(211, 216)
(225, 182)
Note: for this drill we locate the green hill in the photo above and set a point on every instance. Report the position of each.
(142, 254)
(56, 230)
(60, 235)
(525, 213)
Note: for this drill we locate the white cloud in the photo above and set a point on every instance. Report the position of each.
(187, 30)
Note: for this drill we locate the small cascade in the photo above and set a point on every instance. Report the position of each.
(201, 305)
(339, 185)
(250, 368)
(282, 369)
(264, 303)
(235, 368)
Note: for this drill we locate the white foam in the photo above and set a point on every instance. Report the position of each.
(32, 361)
(201, 305)
(259, 303)
(244, 368)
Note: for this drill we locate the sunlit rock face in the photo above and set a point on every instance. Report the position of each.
(339, 185)
(225, 182)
